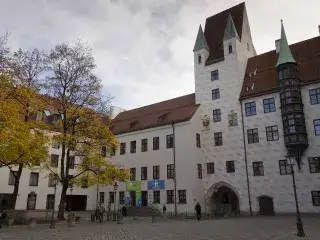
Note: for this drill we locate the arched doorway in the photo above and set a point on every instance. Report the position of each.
(266, 205)
(223, 200)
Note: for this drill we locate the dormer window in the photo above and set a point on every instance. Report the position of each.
(134, 123)
(199, 59)
(230, 48)
(162, 117)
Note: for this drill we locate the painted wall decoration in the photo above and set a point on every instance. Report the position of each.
(205, 122)
(233, 118)
(133, 186)
(156, 185)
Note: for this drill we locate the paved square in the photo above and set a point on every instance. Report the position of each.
(257, 228)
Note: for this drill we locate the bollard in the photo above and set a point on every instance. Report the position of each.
(32, 224)
(93, 217)
(70, 220)
(181, 217)
(153, 218)
(120, 218)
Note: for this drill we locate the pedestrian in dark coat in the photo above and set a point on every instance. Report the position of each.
(198, 211)
(124, 211)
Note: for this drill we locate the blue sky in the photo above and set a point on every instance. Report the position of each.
(143, 48)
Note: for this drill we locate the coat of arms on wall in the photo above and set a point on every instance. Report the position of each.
(206, 122)
(233, 119)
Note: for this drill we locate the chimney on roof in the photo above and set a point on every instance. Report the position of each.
(277, 42)
(319, 29)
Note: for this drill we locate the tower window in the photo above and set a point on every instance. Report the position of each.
(248, 47)
(230, 48)
(214, 75)
(199, 59)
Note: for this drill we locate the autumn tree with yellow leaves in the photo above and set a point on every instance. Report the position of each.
(22, 142)
(75, 93)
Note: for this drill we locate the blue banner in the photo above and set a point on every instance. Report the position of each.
(156, 185)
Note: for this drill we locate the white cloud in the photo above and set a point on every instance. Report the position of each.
(143, 48)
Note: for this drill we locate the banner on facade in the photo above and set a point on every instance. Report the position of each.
(138, 199)
(133, 186)
(156, 185)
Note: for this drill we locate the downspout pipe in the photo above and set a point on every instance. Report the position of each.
(175, 172)
(246, 159)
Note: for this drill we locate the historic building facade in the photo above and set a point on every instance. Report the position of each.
(224, 146)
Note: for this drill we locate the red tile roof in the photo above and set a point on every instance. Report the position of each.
(215, 28)
(171, 111)
(307, 56)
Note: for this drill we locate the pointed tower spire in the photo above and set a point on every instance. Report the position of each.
(201, 41)
(231, 30)
(285, 55)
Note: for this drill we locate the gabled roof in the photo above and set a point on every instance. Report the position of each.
(175, 110)
(215, 30)
(261, 71)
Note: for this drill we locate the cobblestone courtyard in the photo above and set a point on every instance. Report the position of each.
(258, 228)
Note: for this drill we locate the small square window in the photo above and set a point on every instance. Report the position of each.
(144, 145)
(217, 115)
(314, 164)
(132, 174)
(250, 109)
(170, 196)
(258, 169)
(156, 197)
(272, 133)
(230, 166)
(316, 124)
(156, 172)
(156, 144)
(144, 173)
(182, 196)
(315, 198)
(215, 94)
(199, 59)
(215, 75)
(218, 139)
(253, 135)
(199, 171)
(34, 179)
(122, 148)
(314, 96)
(285, 168)
(198, 140)
(54, 160)
(170, 171)
(269, 105)
(133, 146)
(210, 168)
(170, 141)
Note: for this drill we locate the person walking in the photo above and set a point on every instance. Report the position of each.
(124, 211)
(164, 209)
(3, 216)
(198, 211)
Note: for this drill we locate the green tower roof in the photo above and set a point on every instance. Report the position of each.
(231, 30)
(285, 55)
(201, 41)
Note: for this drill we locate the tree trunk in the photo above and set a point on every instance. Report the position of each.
(63, 201)
(16, 185)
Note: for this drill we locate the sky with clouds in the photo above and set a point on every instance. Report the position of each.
(143, 48)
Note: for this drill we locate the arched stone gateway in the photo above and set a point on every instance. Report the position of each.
(223, 200)
(266, 205)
